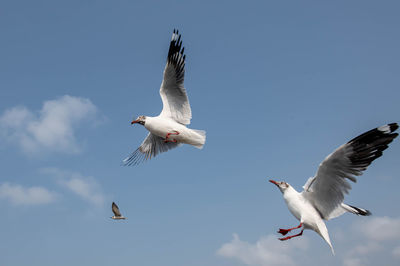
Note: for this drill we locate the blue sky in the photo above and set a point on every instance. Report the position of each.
(276, 85)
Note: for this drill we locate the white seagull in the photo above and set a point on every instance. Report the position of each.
(168, 130)
(323, 194)
(117, 213)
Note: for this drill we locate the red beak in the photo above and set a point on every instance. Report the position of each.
(274, 182)
(133, 122)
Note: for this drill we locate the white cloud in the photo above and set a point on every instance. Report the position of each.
(380, 228)
(51, 129)
(266, 251)
(85, 187)
(19, 195)
(372, 236)
(366, 248)
(367, 241)
(396, 252)
(352, 262)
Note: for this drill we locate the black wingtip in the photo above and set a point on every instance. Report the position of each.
(388, 128)
(393, 127)
(176, 55)
(361, 212)
(369, 146)
(365, 213)
(385, 131)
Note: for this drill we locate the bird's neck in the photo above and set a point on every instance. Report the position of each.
(290, 193)
(150, 119)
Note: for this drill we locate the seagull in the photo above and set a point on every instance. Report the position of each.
(168, 130)
(117, 213)
(323, 194)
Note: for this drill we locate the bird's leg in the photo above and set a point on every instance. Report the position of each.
(285, 231)
(289, 237)
(168, 134)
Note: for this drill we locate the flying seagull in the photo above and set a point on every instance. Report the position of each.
(168, 130)
(117, 213)
(323, 194)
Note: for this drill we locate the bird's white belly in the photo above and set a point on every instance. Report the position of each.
(161, 127)
(295, 207)
(304, 212)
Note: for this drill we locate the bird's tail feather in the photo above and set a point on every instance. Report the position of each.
(200, 138)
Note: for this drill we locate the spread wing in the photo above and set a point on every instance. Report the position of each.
(173, 93)
(150, 147)
(326, 190)
(115, 209)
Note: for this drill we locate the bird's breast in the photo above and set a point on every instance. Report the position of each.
(304, 211)
(161, 127)
(295, 208)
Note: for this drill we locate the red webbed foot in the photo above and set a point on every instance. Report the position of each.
(289, 237)
(283, 231)
(169, 134)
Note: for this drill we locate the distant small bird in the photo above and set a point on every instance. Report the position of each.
(117, 214)
(322, 197)
(168, 130)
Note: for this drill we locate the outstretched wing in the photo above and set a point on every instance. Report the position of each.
(326, 190)
(115, 209)
(151, 146)
(173, 93)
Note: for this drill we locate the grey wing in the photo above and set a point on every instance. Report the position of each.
(343, 208)
(115, 209)
(173, 93)
(150, 147)
(327, 189)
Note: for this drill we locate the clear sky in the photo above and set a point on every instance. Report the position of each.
(277, 85)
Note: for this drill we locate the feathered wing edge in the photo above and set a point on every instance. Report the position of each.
(176, 56)
(172, 91)
(150, 147)
(323, 232)
(369, 146)
(343, 208)
(361, 151)
(115, 209)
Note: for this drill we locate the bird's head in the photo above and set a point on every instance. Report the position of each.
(140, 120)
(280, 184)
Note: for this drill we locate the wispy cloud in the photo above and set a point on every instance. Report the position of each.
(50, 129)
(20, 195)
(352, 262)
(396, 252)
(373, 236)
(373, 228)
(367, 241)
(85, 187)
(266, 251)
